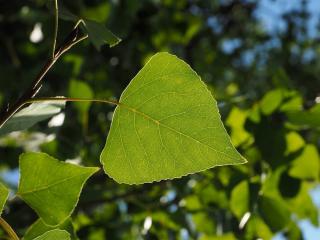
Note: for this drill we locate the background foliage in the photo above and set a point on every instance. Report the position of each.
(266, 83)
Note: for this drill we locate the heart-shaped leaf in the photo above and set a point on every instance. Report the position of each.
(166, 125)
(55, 234)
(51, 187)
(32, 114)
(4, 193)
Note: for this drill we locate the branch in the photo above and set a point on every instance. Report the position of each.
(56, 25)
(72, 39)
(11, 233)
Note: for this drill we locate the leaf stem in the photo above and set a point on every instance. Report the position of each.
(11, 233)
(72, 39)
(68, 99)
(56, 25)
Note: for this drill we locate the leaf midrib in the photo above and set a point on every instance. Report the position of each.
(170, 128)
(50, 185)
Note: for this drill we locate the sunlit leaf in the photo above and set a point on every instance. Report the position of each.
(52, 188)
(32, 114)
(4, 194)
(271, 101)
(240, 199)
(54, 235)
(166, 125)
(38, 228)
(306, 165)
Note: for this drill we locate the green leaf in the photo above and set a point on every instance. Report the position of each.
(80, 89)
(166, 125)
(55, 234)
(275, 212)
(52, 188)
(271, 101)
(236, 121)
(306, 166)
(4, 194)
(240, 197)
(305, 119)
(32, 114)
(39, 227)
(100, 35)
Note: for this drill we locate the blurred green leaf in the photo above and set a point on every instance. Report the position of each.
(54, 235)
(303, 206)
(80, 89)
(52, 188)
(274, 212)
(306, 165)
(271, 101)
(32, 114)
(236, 121)
(4, 194)
(165, 108)
(227, 236)
(305, 119)
(257, 228)
(240, 199)
(294, 142)
(39, 227)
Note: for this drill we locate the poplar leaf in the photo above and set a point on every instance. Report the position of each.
(51, 187)
(166, 125)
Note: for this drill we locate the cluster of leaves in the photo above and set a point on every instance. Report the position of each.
(265, 103)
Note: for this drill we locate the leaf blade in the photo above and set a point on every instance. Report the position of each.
(4, 194)
(156, 125)
(29, 116)
(54, 235)
(46, 180)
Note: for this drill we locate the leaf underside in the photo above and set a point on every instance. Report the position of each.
(32, 114)
(167, 125)
(51, 187)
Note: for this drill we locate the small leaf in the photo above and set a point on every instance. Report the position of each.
(52, 188)
(275, 212)
(166, 125)
(306, 166)
(305, 119)
(32, 114)
(100, 35)
(240, 199)
(80, 89)
(55, 234)
(271, 101)
(4, 194)
(38, 228)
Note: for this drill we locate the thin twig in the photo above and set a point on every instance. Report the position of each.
(56, 25)
(71, 40)
(68, 99)
(11, 233)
